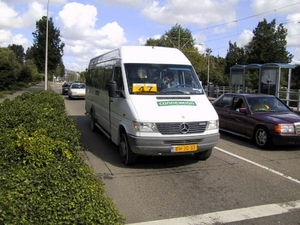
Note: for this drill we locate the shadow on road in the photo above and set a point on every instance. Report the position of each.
(250, 143)
(98, 144)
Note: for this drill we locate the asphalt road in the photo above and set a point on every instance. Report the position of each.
(239, 184)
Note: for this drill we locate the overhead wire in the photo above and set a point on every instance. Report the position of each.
(241, 19)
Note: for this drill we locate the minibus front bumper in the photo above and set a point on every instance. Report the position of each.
(165, 145)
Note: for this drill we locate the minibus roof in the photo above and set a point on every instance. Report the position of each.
(152, 54)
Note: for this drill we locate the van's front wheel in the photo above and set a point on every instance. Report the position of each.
(203, 155)
(128, 157)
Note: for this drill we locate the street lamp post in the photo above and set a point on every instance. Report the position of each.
(46, 54)
(208, 54)
(208, 51)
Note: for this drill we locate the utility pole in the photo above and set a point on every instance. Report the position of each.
(178, 37)
(46, 54)
(208, 68)
(208, 51)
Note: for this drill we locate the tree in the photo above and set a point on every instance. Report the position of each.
(177, 37)
(60, 69)
(296, 77)
(268, 44)
(9, 68)
(198, 61)
(55, 45)
(83, 75)
(30, 72)
(29, 53)
(19, 52)
(182, 39)
(217, 65)
(235, 55)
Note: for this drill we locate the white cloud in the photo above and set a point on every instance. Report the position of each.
(12, 19)
(293, 27)
(244, 38)
(297, 56)
(92, 27)
(77, 20)
(125, 3)
(198, 13)
(276, 7)
(43, 2)
(142, 40)
(34, 13)
(7, 38)
(82, 37)
(9, 17)
(109, 36)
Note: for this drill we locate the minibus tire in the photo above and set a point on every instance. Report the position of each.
(92, 122)
(127, 155)
(203, 155)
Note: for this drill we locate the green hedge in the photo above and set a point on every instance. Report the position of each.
(43, 180)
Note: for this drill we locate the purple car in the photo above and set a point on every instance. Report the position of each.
(262, 118)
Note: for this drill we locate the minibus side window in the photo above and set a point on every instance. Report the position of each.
(107, 76)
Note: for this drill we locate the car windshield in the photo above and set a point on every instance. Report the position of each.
(162, 79)
(266, 104)
(78, 86)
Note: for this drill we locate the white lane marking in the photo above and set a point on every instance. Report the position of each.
(229, 216)
(234, 215)
(259, 165)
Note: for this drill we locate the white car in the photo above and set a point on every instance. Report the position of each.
(77, 90)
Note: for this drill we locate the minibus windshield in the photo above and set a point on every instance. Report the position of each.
(162, 79)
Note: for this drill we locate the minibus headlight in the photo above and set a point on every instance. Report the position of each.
(212, 125)
(145, 127)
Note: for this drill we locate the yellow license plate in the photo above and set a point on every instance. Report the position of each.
(184, 148)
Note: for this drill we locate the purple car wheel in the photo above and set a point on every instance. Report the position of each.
(262, 137)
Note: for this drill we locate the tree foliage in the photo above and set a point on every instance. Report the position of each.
(268, 44)
(19, 52)
(17, 67)
(30, 71)
(55, 45)
(181, 38)
(177, 37)
(217, 71)
(9, 68)
(235, 55)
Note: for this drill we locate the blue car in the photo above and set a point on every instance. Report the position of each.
(65, 88)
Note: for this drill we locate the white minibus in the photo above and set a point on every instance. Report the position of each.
(149, 101)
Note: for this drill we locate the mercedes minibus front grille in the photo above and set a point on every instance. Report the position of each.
(181, 128)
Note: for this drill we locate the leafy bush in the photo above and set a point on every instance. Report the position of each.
(43, 179)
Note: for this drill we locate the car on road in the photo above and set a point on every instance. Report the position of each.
(65, 88)
(260, 117)
(77, 90)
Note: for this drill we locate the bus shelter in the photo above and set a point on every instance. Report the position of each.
(238, 76)
(269, 77)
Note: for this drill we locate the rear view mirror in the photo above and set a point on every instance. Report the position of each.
(112, 89)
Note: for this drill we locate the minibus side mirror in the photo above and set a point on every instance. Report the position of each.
(112, 89)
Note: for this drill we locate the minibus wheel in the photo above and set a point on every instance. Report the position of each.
(127, 155)
(203, 155)
(92, 122)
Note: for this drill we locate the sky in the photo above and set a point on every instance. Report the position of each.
(92, 27)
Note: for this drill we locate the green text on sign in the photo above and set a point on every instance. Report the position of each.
(172, 103)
